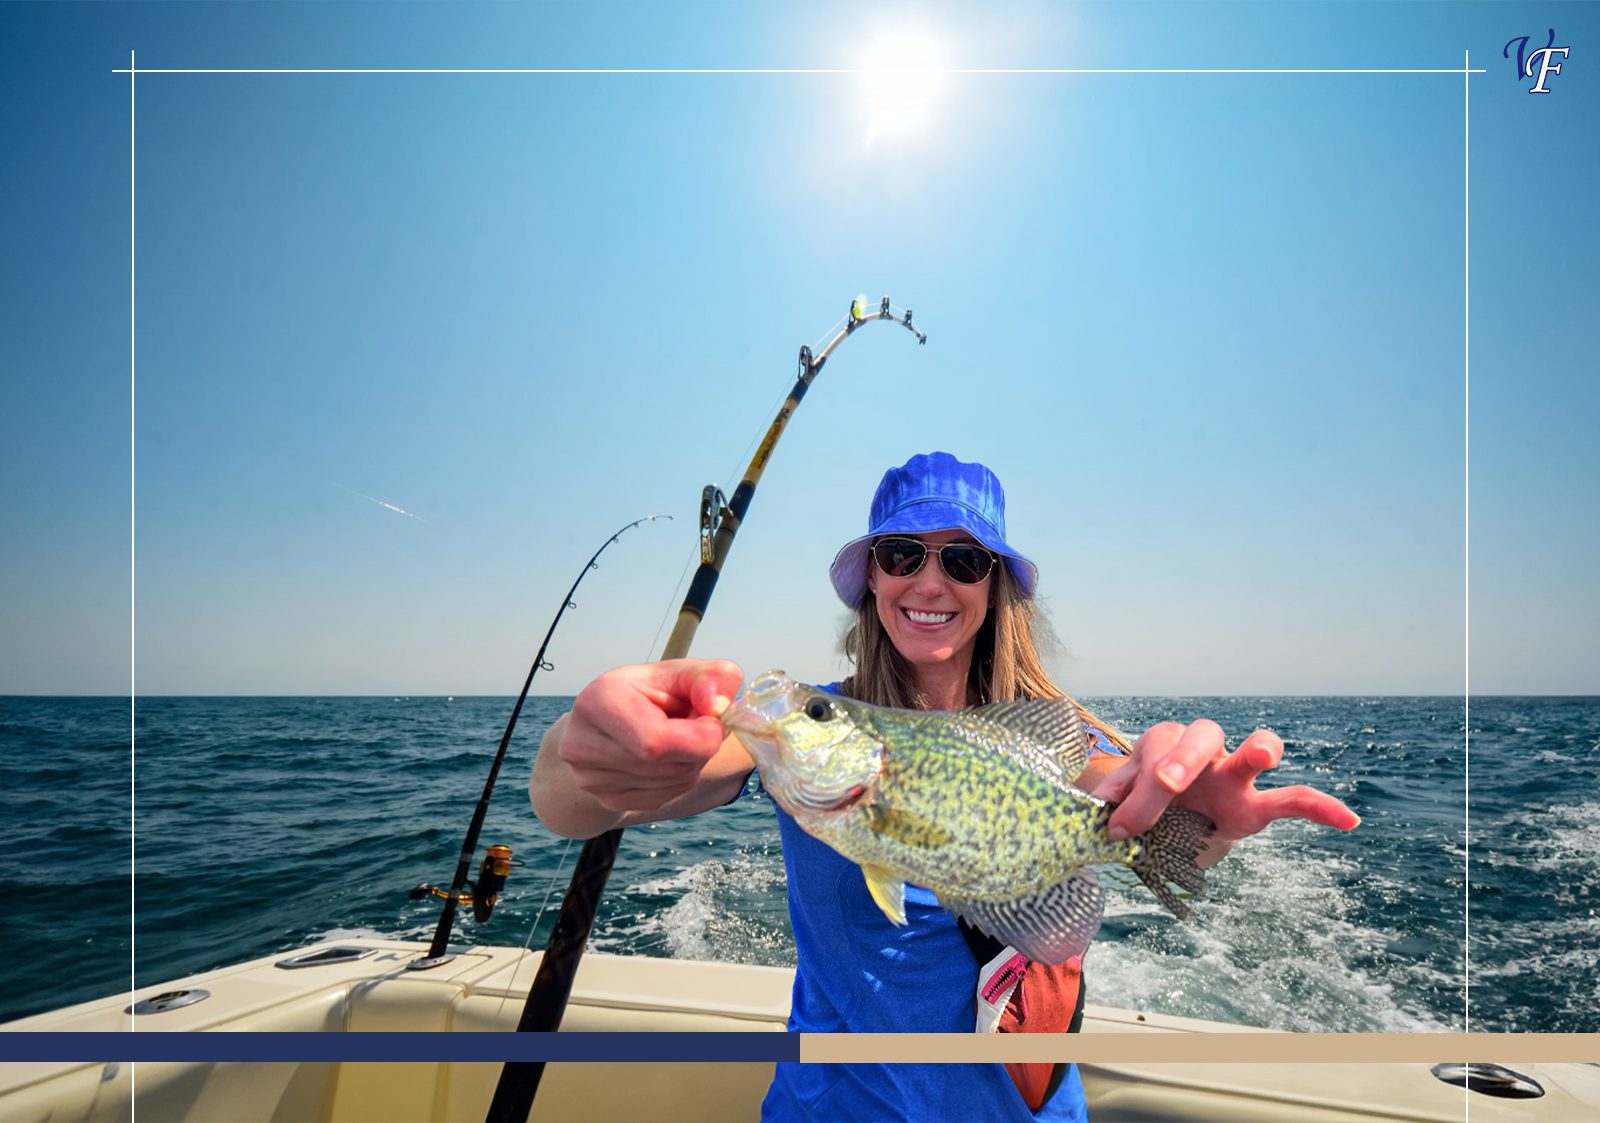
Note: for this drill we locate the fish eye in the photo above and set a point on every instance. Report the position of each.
(819, 709)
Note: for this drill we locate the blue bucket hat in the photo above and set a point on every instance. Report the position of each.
(928, 493)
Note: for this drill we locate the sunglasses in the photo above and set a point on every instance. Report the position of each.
(965, 563)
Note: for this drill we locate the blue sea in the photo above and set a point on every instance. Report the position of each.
(263, 824)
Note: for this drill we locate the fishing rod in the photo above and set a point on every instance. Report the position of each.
(497, 862)
(719, 522)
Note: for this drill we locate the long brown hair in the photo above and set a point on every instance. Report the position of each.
(1005, 659)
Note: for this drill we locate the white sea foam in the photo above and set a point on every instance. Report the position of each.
(1573, 836)
(1533, 952)
(1551, 756)
(1567, 840)
(1274, 946)
(729, 910)
(1278, 944)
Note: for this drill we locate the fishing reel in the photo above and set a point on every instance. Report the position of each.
(713, 509)
(482, 893)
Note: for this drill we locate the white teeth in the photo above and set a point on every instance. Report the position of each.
(930, 617)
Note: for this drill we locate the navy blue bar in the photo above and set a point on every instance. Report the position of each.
(436, 1047)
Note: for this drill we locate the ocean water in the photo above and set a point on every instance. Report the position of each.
(264, 824)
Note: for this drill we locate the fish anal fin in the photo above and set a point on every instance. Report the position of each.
(888, 891)
(1050, 926)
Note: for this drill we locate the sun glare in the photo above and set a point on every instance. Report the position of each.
(903, 79)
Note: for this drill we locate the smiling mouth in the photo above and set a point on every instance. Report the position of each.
(928, 618)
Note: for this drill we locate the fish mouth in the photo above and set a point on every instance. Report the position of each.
(737, 719)
(758, 706)
(754, 714)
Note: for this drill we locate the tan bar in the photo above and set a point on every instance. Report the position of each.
(1212, 1048)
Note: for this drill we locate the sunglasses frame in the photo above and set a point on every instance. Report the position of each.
(928, 548)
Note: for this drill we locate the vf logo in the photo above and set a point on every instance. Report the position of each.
(1544, 58)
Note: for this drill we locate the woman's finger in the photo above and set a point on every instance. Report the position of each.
(1117, 784)
(640, 730)
(713, 686)
(1200, 744)
(1163, 775)
(1301, 802)
(1257, 753)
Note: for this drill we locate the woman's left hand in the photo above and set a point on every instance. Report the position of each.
(1190, 766)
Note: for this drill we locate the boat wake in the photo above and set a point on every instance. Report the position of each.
(1282, 943)
(728, 910)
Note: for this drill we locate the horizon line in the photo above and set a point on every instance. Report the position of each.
(1084, 694)
(792, 70)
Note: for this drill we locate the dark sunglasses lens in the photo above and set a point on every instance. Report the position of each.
(899, 557)
(966, 564)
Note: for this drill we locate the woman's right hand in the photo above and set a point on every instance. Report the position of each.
(637, 746)
(639, 736)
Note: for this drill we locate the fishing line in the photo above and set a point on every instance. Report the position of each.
(492, 874)
(833, 330)
(561, 868)
(694, 552)
(666, 613)
(735, 473)
(731, 478)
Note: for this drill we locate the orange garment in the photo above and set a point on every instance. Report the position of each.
(1044, 1001)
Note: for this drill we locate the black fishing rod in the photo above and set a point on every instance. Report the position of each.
(495, 866)
(719, 521)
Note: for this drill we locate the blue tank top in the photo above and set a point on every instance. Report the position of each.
(858, 972)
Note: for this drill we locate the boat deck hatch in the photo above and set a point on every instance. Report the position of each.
(168, 1000)
(1491, 1080)
(324, 957)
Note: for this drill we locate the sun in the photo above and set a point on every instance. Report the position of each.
(903, 76)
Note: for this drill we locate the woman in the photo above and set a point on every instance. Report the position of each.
(944, 610)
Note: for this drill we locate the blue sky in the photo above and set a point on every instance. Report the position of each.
(1208, 329)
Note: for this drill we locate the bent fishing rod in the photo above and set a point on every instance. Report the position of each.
(492, 875)
(719, 522)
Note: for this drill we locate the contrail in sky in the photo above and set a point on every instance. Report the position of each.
(387, 506)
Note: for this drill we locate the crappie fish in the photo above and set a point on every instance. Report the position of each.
(977, 805)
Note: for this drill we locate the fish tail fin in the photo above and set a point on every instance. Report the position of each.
(1166, 857)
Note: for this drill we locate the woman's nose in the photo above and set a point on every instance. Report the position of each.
(930, 578)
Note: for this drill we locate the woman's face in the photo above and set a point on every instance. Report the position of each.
(931, 619)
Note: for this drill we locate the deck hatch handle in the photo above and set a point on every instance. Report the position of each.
(167, 1000)
(1490, 1079)
(323, 957)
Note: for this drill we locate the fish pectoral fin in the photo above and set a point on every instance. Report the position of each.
(1167, 856)
(907, 828)
(1050, 926)
(888, 891)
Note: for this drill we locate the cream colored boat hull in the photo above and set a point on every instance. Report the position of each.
(483, 988)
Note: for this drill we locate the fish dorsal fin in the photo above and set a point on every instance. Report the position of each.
(1054, 725)
(906, 827)
(888, 891)
(1050, 926)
